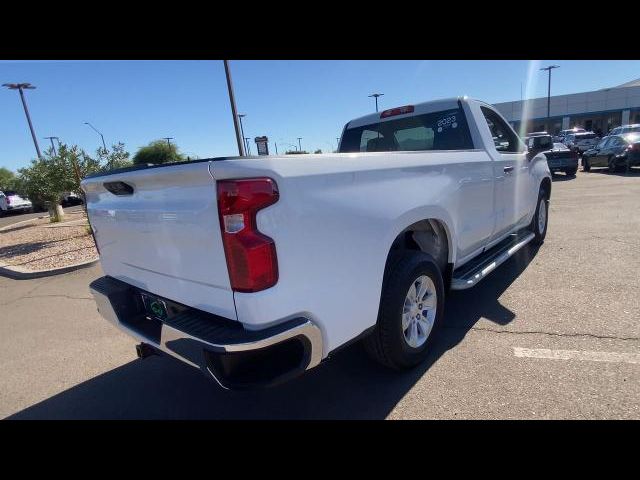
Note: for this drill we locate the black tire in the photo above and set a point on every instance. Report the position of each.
(387, 344)
(586, 166)
(535, 225)
(571, 171)
(612, 165)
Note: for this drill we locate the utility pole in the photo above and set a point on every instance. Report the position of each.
(376, 95)
(52, 145)
(234, 111)
(168, 139)
(20, 87)
(548, 69)
(299, 144)
(246, 139)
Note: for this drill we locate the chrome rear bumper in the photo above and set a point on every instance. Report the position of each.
(236, 358)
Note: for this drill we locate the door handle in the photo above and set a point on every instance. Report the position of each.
(508, 169)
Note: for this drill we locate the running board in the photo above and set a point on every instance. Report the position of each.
(470, 276)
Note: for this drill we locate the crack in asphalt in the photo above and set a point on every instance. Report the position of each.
(539, 332)
(29, 292)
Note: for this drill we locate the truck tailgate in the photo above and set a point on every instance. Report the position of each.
(164, 237)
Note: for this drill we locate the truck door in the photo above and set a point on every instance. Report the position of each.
(511, 171)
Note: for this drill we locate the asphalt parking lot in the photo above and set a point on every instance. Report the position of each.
(553, 333)
(15, 217)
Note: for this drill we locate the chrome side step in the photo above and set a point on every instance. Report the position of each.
(469, 276)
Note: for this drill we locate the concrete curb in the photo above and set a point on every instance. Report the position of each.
(20, 273)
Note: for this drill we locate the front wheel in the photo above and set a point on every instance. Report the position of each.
(539, 222)
(586, 166)
(571, 171)
(612, 165)
(411, 310)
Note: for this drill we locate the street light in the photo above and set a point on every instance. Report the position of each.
(20, 87)
(102, 136)
(299, 144)
(168, 139)
(548, 69)
(376, 95)
(246, 140)
(52, 145)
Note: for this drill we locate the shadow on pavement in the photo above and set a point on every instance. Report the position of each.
(347, 386)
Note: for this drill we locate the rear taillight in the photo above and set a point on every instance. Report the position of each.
(251, 255)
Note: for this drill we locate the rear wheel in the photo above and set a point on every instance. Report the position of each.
(539, 222)
(411, 310)
(571, 171)
(586, 166)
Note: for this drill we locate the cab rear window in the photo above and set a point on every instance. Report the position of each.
(446, 130)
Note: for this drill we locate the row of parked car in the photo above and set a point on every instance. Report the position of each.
(12, 201)
(619, 149)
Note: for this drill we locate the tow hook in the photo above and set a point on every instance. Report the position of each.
(144, 350)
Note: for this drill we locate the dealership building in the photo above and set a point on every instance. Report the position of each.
(598, 111)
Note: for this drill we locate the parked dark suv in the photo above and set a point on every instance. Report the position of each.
(614, 152)
(559, 158)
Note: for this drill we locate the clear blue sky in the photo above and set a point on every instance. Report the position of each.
(139, 101)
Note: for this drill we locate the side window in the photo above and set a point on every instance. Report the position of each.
(504, 138)
(603, 143)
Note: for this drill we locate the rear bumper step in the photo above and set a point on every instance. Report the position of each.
(470, 275)
(236, 358)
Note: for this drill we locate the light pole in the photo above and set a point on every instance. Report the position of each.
(101, 136)
(234, 111)
(52, 145)
(548, 69)
(168, 139)
(20, 87)
(376, 95)
(240, 117)
(299, 144)
(246, 139)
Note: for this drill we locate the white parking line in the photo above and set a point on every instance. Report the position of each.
(577, 355)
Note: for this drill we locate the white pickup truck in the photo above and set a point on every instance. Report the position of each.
(255, 269)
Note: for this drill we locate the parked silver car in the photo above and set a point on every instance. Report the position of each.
(581, 142)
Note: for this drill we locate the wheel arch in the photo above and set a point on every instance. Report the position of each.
(429, 235)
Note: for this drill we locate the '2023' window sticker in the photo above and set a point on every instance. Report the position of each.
(447, 122)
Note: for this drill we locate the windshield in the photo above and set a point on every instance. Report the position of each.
(586, 136)
(446, 130)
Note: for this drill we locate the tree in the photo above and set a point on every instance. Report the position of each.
(295, 152)
(157, 152)
(318, 151)
(7, 179)
(118, 157)
(46, 179)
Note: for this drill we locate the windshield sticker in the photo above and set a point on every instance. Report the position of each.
(447, 122)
